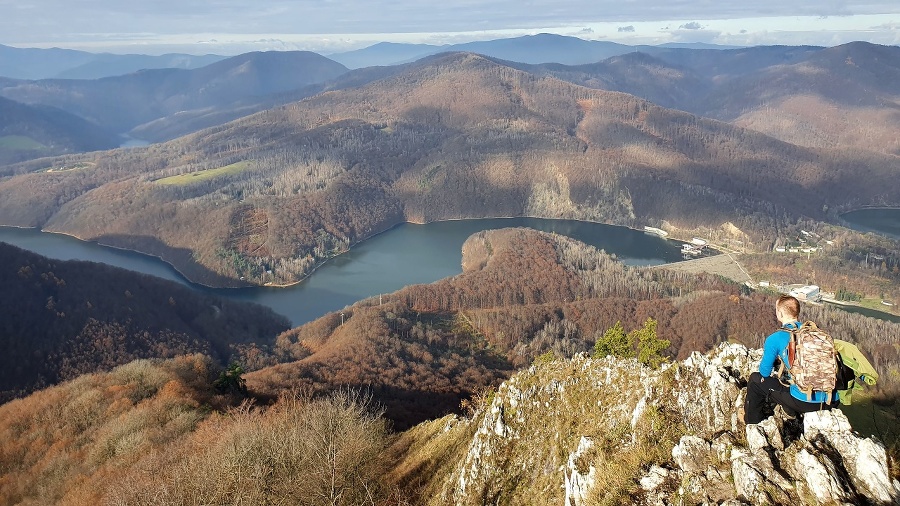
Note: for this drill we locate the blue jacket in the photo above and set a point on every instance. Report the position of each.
(776, 347)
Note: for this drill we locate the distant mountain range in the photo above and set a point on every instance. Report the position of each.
(55, 63)
(28, 132)
(124, 102)
(730, 84)
(534, 49)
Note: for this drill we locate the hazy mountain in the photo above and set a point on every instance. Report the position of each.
(33, 63)
(123, 102)
(546, 48)
(62, 319)
(695, 80)
(185, 122)
(385, 53)
(697, 45)
(28, 132)
(533, 49)
(719, 65)
(810, 96)
(108, 65)
(267, 197)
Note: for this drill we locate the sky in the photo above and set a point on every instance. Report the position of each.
(328, 26)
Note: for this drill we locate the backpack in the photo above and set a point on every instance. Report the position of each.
(813, 361)
(854, 370)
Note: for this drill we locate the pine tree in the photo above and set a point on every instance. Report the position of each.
(649, 346)
(614, 342)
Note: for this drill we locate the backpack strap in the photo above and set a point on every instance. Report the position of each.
(782, 366)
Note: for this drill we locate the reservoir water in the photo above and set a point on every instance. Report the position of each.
(407, 254)
(884, 221)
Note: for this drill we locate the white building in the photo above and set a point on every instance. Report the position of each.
(809, 292)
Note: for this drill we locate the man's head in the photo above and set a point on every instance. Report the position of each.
(787, 309)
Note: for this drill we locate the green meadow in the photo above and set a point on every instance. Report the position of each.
(19, 143)
(203, 175)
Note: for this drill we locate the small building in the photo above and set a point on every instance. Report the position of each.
(809, 293)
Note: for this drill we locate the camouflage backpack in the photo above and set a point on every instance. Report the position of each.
(812, 360)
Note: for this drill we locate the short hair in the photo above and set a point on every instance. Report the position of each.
(789, 306)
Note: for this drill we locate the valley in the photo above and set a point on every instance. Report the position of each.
(405, 255)
(320, 175)
(411, 262)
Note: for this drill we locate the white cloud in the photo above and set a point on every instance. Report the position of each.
(169, 25)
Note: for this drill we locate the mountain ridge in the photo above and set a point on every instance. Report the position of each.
(56, 63)
(455, 136)
(31, 132)
(720, 83)
(531, 49)
(147, 95)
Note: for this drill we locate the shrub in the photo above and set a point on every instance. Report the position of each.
(614, 342)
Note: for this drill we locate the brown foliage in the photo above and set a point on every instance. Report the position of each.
(456, 136)
(522, 293)
(64, 319)
(144, 433)
(62, 445)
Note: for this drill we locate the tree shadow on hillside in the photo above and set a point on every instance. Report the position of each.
(182, 259)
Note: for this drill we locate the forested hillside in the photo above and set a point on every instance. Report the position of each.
(28, 132)
(266, 198)
(121, 103)
(841, 96)
(810, 96)
(62, 319)
(524, 293)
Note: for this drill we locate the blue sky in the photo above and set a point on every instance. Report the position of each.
(326, 26)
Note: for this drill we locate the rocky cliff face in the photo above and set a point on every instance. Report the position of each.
(596, 431)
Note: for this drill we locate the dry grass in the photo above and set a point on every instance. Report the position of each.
(527, 466)
(428, 451)
(154, 432)
(63, 443)
(301, 451)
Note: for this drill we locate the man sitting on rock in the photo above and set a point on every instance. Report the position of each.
(763, 386)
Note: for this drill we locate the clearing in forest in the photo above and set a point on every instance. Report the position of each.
(204, 175)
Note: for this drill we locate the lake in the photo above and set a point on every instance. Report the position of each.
(882, 220)
(404, 255)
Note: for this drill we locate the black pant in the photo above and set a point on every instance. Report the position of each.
(760, 390)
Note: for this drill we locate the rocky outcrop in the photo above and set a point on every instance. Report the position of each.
(585, 431)
(818, 460)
